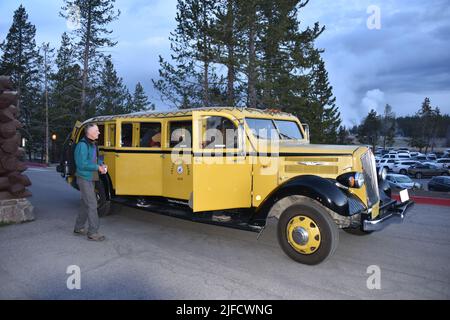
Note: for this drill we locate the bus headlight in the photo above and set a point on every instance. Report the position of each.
(351, 179)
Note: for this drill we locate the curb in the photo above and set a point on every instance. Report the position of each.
(426, 200)
(40, 165)
(35, 165)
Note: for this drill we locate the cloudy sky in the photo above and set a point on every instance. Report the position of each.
(405, 60)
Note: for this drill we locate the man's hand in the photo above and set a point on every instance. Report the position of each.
(102, 169)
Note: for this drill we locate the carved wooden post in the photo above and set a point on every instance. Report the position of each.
(13, 205)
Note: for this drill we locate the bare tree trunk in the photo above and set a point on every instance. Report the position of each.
(230, 48)
(86, 65)
(251, 65)
(206, 61)
(205, 84)
(46, 104)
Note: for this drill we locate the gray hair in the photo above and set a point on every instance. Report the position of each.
(88, 126)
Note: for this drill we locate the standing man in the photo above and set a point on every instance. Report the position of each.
(87, 168)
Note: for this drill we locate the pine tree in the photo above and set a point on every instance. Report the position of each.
(47, 66)
(177, 84)
(312, 100)
(21, 60)
(66, 90)
(270, 61)
(370, 129)
(277, 41)
(429, 118)
(226, 33)
(93, 36)
(139, 101)
(343, 136)
(248, 29)
(322, 99)
(113, 97)
(188, 82)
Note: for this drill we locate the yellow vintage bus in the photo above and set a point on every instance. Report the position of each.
(240, 167)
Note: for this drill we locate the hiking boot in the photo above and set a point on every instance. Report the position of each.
(80, 232)
(96, 237)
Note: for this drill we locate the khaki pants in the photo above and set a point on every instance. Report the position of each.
(88, 208)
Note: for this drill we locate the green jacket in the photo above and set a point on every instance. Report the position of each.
(86, 160)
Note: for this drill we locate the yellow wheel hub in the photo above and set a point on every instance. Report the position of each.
(303, 234)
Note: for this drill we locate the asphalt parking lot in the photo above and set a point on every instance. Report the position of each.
(149, 256)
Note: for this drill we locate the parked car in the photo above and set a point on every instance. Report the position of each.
(402, 166)
(423, 158)
(401, 181)
(443, 163)
(403, 155)
(388, 164)
(439, 184)
(426, 170)
(397, 156)
(431, 156)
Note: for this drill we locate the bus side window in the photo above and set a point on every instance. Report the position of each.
(218, 132)
(180, 134)
(126, 135)
(150, 135)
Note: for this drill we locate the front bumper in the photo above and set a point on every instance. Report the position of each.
(391, 212)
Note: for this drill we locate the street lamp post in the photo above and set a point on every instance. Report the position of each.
(53, 146)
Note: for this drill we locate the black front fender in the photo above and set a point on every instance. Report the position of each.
(320, 189)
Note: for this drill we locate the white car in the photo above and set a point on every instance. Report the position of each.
(403, 165)
(400, 181)
(423, 159)
(416, 154)
(442, 163)
(397, 156)
(403, 155)
(387, 163)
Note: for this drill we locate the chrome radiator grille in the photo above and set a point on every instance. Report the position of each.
(370, 177)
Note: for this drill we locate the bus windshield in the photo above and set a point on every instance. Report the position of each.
(269, 129)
